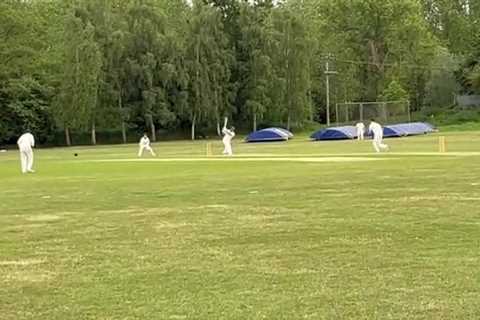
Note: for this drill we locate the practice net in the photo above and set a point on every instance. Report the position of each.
(383, 112)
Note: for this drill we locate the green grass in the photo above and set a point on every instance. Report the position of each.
(396, 238)
(467, 126)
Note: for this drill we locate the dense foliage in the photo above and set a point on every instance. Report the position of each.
(174, 65)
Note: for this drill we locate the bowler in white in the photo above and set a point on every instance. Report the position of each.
(377, 132)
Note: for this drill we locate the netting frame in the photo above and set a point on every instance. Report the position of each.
(384, 112)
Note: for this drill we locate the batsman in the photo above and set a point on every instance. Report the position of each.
(228, 135)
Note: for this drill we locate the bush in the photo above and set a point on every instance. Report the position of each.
(449, 116)
(394, 92)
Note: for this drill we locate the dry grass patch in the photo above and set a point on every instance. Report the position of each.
(171, 225)
(27, 276)
(23, 262)
(444, 197)
(261, 217)
(71, 213)
(26, 226)
(43, 218)
(24, 270)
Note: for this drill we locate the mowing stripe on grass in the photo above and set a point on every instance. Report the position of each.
(283, 159)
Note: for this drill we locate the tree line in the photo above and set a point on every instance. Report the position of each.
(147, 65)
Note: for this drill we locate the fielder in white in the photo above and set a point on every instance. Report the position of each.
(228, 135)
(377, 131)
(25, 144)
(360, 130)
(144, 144)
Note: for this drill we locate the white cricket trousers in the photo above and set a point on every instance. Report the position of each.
(378, 145)
(26, 160)
(360, 135)
(148, 148)
(228, 148)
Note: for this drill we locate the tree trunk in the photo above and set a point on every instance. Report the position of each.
(120, 107)
(310, 104)
(154, 131)
(219, 131)
(254, 122)
(311, 111)
(288, 76)
(193, 126)
(197, 93)
(67, 137)
(94, 134)
(216, 104)
(152, 128)
(384, 112)
(309, 91)
(124, 132)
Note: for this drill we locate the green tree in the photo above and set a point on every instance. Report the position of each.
(29, 68)
(394, 92)
(455, 22)
(207, 58)
(292, 65)
(442, 85)
(147, 69)
(379, 41)
(78, 95)
(256, 46)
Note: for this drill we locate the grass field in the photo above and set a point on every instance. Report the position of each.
(295, 230)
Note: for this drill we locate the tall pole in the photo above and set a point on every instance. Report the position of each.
(328, 73)
(336, 113)
(328, 92)
(409, 112)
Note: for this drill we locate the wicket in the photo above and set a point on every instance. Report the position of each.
(209, 149)
(442, 145)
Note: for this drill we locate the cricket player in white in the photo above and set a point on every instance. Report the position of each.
(360, 131)
(144, 144)
(377, 131)
(25, 144)
(228, 135)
